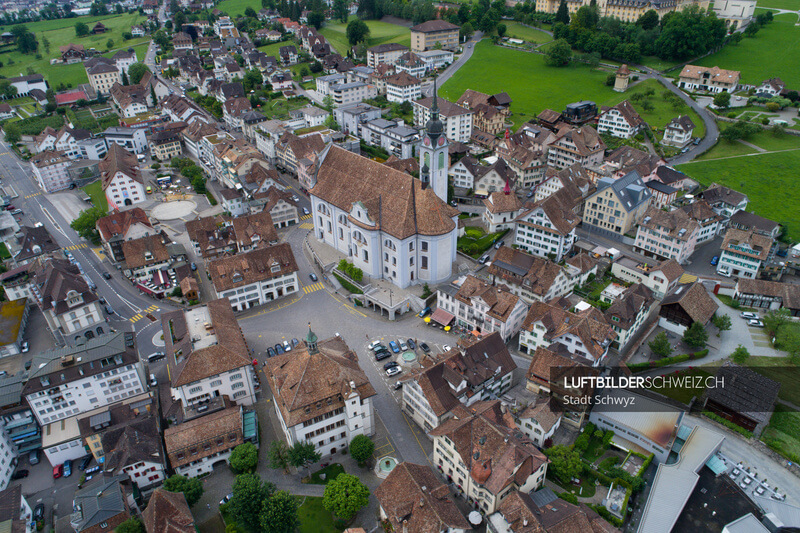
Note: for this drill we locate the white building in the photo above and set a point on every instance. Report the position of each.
(735, 13)
(384, 53)
(132, 139)
(50, 169)
(629, 313)
(351, 117)
(321, 394)
(622, 121)
(538, 421)
(352, 92)
(403, 87)
(436, 58)
(743, 253)
(679, 131)
(659, 278)
(457, 120)
(502, 208)
(121, 179)
(9, 453)
(391, 135)
(548, 228)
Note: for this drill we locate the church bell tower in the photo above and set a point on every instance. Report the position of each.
(433, 151)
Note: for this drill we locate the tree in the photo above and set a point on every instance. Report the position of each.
(361, 448)
(340, 11)
(7, 90)
(357, 31)
(559, 54)
(660, 345)
(466, 31)
(788, 340)
(85, 223)
(303, 455)
(649, 20)
(179, 19)
(695, 335)
(316, 67)
(136, 72)
(722, 99)
(316, 18)
(565, 463)
(250, 13)
(192, 488)
(501, 30)
(131, 525)
(110, 44)
(26, 41)
(278, 455)
(773, 320)
(344, 496)
(125, 80)
(249, 493)
(244, 458)
(722, 322)
(13, 135)
(279, 513)
(740, 355)
(562, 15)
(81, 29)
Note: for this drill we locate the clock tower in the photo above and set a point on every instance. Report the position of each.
(434, 156)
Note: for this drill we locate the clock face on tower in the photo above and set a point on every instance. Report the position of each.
(441, 141)
(427, 141)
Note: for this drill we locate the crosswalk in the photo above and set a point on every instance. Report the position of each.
(77, 246)
(34, 194)
(305, 217)
(312, 288)
(140, 315)
(306, 225)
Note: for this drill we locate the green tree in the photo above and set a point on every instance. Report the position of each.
(466, 31)
(565, 463)
(695, 335)
(316, 18)
(649, 20)
(131, 525)
(660, 345)
(278, 455)
(81, 29)
(340, 12)
(345, 495)
(110, 44)
(303, 455)
(7, 90)
(13, 135)
(252, 80)
(740, 355)
(558, 54)
(250, 12)
(279, 513)
(249, 493)
(86, 221)
(192, 488)
(501, 30)
(722, 322)
(136, 72)
(357, 31)
(244, 458)
(562, 15)
(722, 99)
(361, 448)
(773, 320)
(788, 340)
(26, 40)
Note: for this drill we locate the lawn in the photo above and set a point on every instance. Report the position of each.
(62, 32)
(526, 33)
(237, 7)
(477, 241)
(4, 253)
(314, 518)
(330, 471)
(791, 5)
(683, 394)
(783, 432)
(658, 63)
(274, 48)
(665, 106)
(379, 33)
(95, 192)
(772, 52)
(782, 371)
(764, 139)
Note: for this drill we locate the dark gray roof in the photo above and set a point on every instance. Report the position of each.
(660, 187)
(745, 391)
(747, 221)
(11, 389)
(718, 193)
(629, 189)
(669, 175)
(35, 241)
(100, 500)
(542, 497)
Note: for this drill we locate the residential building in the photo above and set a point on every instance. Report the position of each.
(403, 87)
(575, 179)
(50, 169)
(621, 120)
(413, 498)
(771, 87)
(749, 403)
(710, 222)
(724, 201)
(132, 139)
(745, 221)
(122, 226)
(121, 179)
(100, 505)
(164, 145)
(208, 358)
(150, 263)
(321, 394)
(585, 334)
(482, 307)
(233, 110)
(667, 235)
(486, 456)
(400, 244)
(8, 465)
(743, 253)
(576, 145)
(435, 59)
(629, 313)
(411, 63)
(291, 149)
(765, 294)
(168, 512)
(482, 370)
(233, 202)
(391, 135)
(384, 53)
(662, 196)
(26, 84)
(501, 210)
(547, 228)
(66, 383)
(661, 278)
(535, 279)
(708, 79)
(220, 235)
(542, 511)
(431, 34)
(688, 304)
(182, 41)
(15, 512)
(679, 131)
(193, 135)
(256, 277)
(457, 120)
(288, 55)
(489, 111)
(538, 421)
(123, 59)
(616, 205)
(102, 75)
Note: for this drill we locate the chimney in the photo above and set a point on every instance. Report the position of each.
(405, 526)
(422, 502)
(524, 522)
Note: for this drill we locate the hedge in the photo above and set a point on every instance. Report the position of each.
(666, 361)
(347, 285)
(645, 464)
(728, 424)
(569, 497)
(606, 514)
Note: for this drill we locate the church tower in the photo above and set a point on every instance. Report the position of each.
(433, 152)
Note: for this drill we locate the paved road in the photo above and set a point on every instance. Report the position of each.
(469, 47)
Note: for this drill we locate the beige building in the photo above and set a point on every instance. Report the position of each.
(617, 205)
(710, 79)
(103, 76)
(428, 35)
(626, 10)
(164, 145)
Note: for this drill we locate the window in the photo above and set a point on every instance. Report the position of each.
(424, 262)
(424, 246)
(366, 256)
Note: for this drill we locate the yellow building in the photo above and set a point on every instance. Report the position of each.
(164, 145)
(427, 35)
(102, 76)
(625, 10)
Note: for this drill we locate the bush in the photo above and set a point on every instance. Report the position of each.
(569, 497)
(773, 106)
(728, 424)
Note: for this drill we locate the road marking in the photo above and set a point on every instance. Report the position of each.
(76, 246)
(141, 314)
(306, 225)
(305, 217)
(315, 287)
(34, 194)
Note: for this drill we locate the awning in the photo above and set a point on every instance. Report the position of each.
(145, 289)
(442, 317)
(160, 277)
(716, 465)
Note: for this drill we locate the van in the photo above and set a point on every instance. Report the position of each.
(155, 357)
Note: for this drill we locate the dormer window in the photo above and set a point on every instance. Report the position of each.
(275, 268)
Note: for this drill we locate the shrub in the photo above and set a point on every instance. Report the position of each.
(728, 424)
(569, 497)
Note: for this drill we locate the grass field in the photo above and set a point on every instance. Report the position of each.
(772, 52)
(331, 472)
(533, 86)
(782, 371)
(783, 432)
(526, 33)
(759, 175)
(95, 192)
(237, 7)
(379, 33)
(62, 32)
(792, 5)
(314, 518)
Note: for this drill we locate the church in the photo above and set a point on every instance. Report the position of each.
(389, 224)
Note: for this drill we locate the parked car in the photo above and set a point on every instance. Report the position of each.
(295, 198)
(313, 277)
(749, 316)
(374, 345)
(271, 352)
(403, 346)
(446, 348)
(714, 260)
(295, 342)
(155, 356)
(306, 211)
(67, 468)
(394, 371)
(755, 323)
(724, 272)
(424, 312)
(390, 364)
(483, 259)
(395, 348)
(286, 346)
(25, 347)
(38, 512)
(499, 245)
(193, 266)
(109, 310)
(278, 349)
(380, 356)
(425, 347)
(85, 462)
(411, 344)
(58, 471)
(33, 457)
(398, 385)
(19, 474)
(225, 499)
(27, 365)
(106, 275)
(153, 380)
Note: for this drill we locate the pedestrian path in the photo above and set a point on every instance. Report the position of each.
(34, 194)
(77, 246)
(141, 314)
(313, 288)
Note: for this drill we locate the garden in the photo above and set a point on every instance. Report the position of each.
(476, 241)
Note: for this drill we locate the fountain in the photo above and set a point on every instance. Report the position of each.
(408, 357)
(385, 466)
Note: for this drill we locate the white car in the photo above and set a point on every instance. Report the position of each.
(287, 347)
(393, 371)
(749, 316)
(446, 348)
(373, 345)
(403, 346)
(755, 323)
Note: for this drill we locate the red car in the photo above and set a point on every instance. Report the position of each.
(58, 471)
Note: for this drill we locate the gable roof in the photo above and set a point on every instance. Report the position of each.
(760, 244)
(677, 224)
(500, 301)
(99, 500)
(593, 331)
(252, 267)
(535, 274)
(683, 123)
(136, 251)
(118, 159)
(168, 512)
(180, 438)
(694, 300)
(721, 194)
(745, 391)
(627, 111)
(34, 241)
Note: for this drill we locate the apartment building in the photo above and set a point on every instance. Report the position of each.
(548, 227)
(709, 221)
(621, 121)
(384, 53)
(391, 135)
(576, 145)
(616, 205)
(321, 394)
(122, 226)
(102, 76)
(164, 145)
(220, 235)
(121, 179)
(403, 87)
(660, 278)
(743, 253)
(679, 131)
(629, 314)
(132, 139)
(457, 120)
(666, 235)
(538, 421)
(724, 201)
(50, 169)
(708, 79)
(432, 34)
